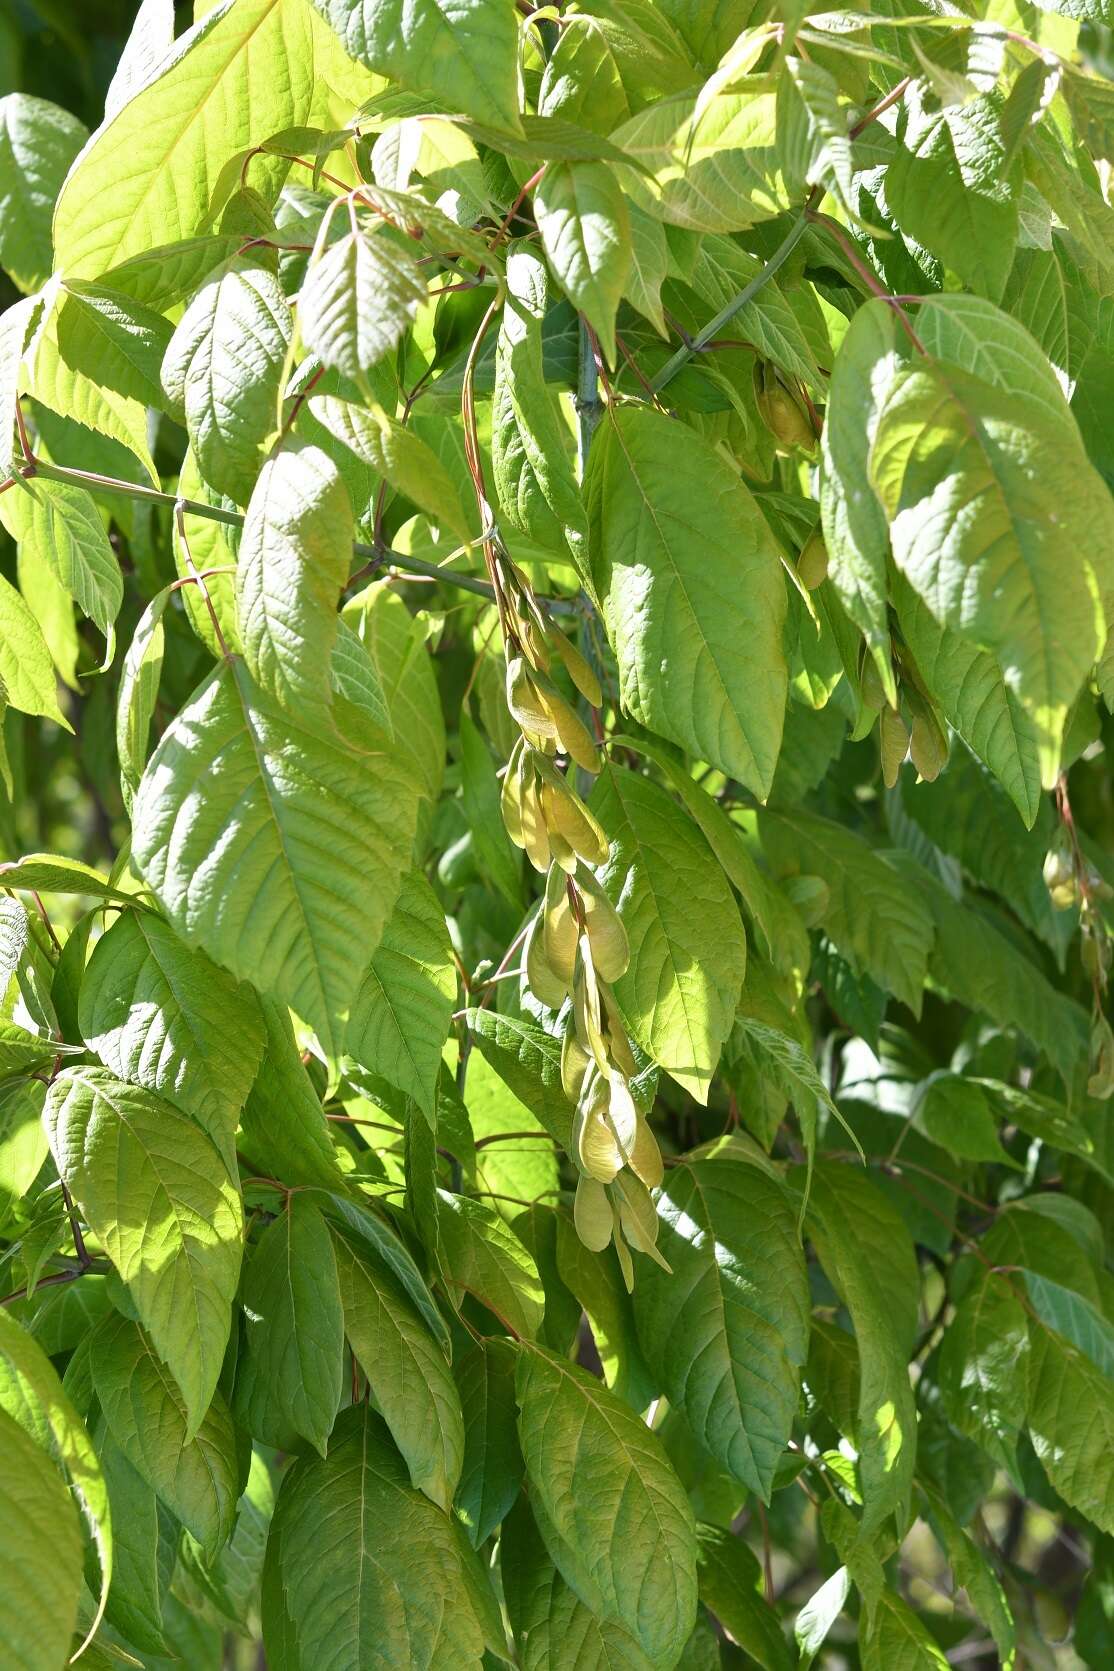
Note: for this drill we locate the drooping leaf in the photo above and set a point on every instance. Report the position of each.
(294, 559)
(549, 1620)
(40, 1546)
(191, 1467)
(870, 912)
(147, 175)
(64, 527)
(32, 1395)
(223, 369)
(692, 594)
(164, 1017)
(678, 995)
(609, 1507)
(530, 452)
(998, 549)
(729, 1577)
(486, 1259)
(1071, 1417)
(401, 1015)
(406, 1370)
(358, 299)
(38, 143)
(582, 217)
(727, 1330)
(291, 1362)
(316, 833)
(868, 1255)
(156, 1191)
(491, 1472)
(468, 58)
(350, 1595)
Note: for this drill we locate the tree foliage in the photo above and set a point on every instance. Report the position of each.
(556, 672)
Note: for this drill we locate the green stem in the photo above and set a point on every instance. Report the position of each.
(714, 326)
(381, 554)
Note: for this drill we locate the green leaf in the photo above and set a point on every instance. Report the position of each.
(980, 965)
(223, 368)
(596, 1281)
(1080, 1323)
(167, 274)
(163, 1016)
(491, 1473)
(53, 873)
(155, 1191)
(971, 690)
(854, 522)
(688, 949)
(972, 1569)
(403, 1010)
(785, 940)
(483, 1257)
(232, 1582)
(402, 458)
(551, 1624)
(294, 560)
(148, 174)
(359, 298)
(867, 1254)
(150, 40)
(713, 161)
(500, 860)
(354, 1596)
(819, 1614)
(530, 453)
(879, 924)
(315, 834)
(64, 527)
(31, 1394)
(612, 1512)
(40, 1555)
(67, 392)
(690, 583)
(999, 549)
(1071, 1424)
(727, 1331)
(145, 1545)
(585, 230)
(282, 1124)
(948, 187)
(983, 1368)
(26, 670)
(38, 143)
(290, 1369)
(396, 643)
(466, 56)
(192, 1468)
(407, 1373)
(528, 1059)
(892, 1638)
(730, 1579)
(378, 1240)
(138, 695)
(16, 324)
(23, 1145)
(114, 340)
(953, 1112)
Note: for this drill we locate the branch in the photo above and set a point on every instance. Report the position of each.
(714, 326)
(792, 238)
(377, 554)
